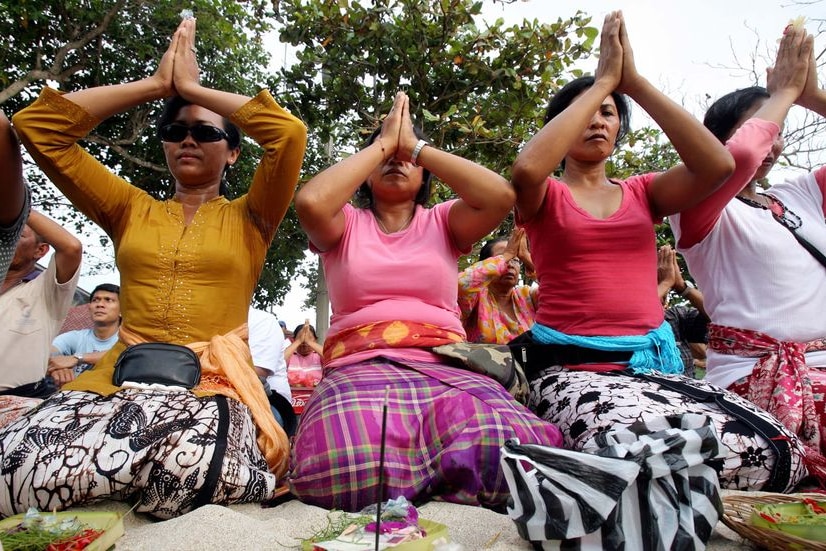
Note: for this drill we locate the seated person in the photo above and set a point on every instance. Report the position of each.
(758, 255)
(495, 308)
(32, 309)
(303, 357)
(189, 265)
(76, 351)
(14, 195)
(445, 426)
(266, 340)
(608, 358)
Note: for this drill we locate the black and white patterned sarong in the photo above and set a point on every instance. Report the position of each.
(170, 451)
(584, 404)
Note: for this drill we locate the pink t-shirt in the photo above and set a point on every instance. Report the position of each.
(597, 277)
(408, 275)
(304, 370)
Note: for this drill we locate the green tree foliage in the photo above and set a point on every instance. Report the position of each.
(75, 44)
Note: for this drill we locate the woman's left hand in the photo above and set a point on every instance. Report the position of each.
(186, 75)
(630, 77)
(407, 136)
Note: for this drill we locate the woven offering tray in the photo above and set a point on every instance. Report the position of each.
(737, 515)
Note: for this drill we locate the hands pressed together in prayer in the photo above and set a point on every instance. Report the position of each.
(178, 73)
(398, 139)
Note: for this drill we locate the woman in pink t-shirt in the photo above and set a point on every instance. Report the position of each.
(391, 273)
(303, 357)
(602, 357)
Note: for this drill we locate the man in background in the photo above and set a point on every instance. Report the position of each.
(32, 308)
(74, 352)
(266, 341)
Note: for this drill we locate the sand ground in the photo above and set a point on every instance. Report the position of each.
(251, 527)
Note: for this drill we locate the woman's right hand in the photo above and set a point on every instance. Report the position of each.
(609, 68)
(789, 74)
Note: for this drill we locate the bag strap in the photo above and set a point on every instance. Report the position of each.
(808, 246)
(814, 251)
(207, 492)
(781, 470)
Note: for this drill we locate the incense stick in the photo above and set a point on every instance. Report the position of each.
(381, 463)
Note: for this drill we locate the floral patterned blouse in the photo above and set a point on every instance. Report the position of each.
(481, 316)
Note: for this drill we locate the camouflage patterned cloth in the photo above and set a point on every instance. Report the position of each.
(493, 360)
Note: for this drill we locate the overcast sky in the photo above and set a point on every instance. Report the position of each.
(690, 49)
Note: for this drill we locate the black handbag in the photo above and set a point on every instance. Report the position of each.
(158, 363)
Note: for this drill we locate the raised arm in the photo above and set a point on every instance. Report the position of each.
(282, 136)
(706, 163)
(546, 150)
(67, 248)
(320, 202)
(485, 198)
(750, 144)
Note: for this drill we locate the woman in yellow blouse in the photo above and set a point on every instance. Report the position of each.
(188, 267)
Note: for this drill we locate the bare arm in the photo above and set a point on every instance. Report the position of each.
(546, 150)
(12, 187)
(104, 101)
(315, 346)
(67, 248)
(186, 76)
(485, 198)
(749, 147)
(320, 202)
(706, 162)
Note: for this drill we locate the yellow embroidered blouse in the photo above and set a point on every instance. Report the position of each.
(179, 283)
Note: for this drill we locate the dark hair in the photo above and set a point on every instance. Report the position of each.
(301, 326)
(107, 287)
(364, 195)
(170, 110)
(724, 114)
(487, 249)
(566, 95)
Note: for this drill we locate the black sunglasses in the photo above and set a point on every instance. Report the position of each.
(204, 133)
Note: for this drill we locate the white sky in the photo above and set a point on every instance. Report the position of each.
(690, 49)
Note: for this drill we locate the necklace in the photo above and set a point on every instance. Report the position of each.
(403, 226)
(785, 216)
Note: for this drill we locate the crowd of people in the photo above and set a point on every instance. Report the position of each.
(578, 287)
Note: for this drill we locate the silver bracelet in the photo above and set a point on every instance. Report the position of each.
(416, 150)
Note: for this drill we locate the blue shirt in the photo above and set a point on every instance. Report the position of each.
(82, 341)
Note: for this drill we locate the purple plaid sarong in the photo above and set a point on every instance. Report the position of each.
(445, 429)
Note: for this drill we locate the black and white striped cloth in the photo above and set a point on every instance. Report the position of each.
(651, 486)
